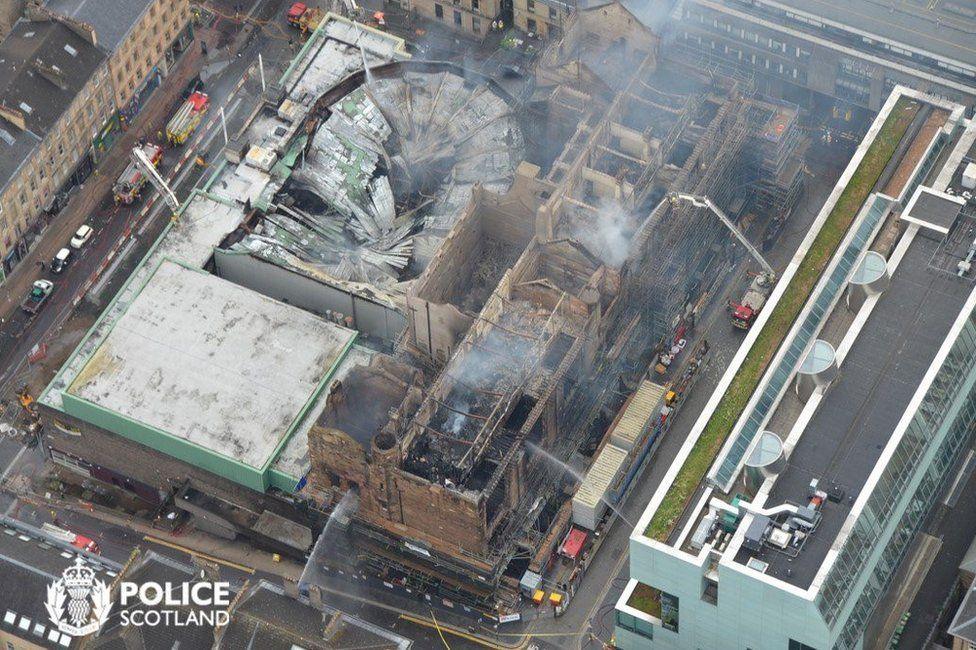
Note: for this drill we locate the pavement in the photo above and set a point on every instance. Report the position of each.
(590, 617)
(122, 236)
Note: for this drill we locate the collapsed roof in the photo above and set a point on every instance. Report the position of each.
(395, 160)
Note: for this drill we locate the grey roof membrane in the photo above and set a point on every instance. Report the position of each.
(208, 361)
(844, 439)
(935, 210)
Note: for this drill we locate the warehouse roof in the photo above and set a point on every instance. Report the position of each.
(204, 222)
(211, 363)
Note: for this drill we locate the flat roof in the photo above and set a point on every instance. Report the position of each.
(293, 461)
(855, 419)
(936, 30)
(203, 222)
(933, 210)
(212, 363)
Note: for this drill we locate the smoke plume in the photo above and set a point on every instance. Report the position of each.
(609, 236)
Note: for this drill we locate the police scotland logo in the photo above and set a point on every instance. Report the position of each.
(77, 603)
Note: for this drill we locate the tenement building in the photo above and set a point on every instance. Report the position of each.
(74, 73)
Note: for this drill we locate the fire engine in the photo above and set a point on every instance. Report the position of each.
(130, 183)
(185, 121)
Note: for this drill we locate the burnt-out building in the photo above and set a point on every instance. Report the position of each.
(410, 298)
(442, 465)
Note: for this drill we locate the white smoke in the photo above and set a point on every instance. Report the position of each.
(609, 236)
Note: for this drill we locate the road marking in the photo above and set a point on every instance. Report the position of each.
(190, 551)
(439, 628)
(6, 472)
(98, 286)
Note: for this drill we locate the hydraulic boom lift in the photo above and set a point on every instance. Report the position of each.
(145, 165)
(744, 312)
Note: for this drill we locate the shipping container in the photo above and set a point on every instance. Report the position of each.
(588, 503)
(630, 425)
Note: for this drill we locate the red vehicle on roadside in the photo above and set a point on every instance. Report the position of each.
(78, 541)
(296, 12)
(132, 180)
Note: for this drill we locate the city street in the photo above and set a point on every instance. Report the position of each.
(122, 236)
(123, 233)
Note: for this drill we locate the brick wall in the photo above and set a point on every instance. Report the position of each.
(393, 500)
(131, 459)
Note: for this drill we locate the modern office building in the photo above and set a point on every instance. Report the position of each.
(856, 52)
(837, 425)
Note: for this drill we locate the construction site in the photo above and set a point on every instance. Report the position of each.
(492, 300)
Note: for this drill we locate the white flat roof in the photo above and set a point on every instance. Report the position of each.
(293, 459)
(218, 365)
(202, 224)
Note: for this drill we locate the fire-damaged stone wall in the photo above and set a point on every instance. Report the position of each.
(482, 244)
(355, 445)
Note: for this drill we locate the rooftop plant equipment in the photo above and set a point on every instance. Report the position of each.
(737, 395)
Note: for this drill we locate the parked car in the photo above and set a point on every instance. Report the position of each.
(60, 261)
(83, 235)
(37, 296)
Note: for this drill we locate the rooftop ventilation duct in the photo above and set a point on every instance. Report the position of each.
(818, 369)
(870, 278)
